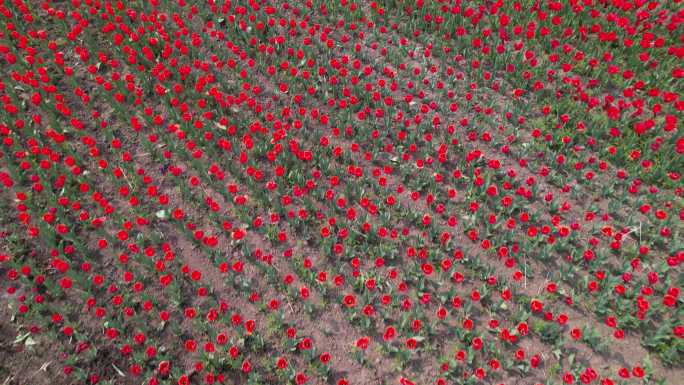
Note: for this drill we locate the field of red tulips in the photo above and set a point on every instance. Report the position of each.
(341, 192)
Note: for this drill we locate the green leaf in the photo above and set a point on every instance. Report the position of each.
(118, 371)
(21, 338)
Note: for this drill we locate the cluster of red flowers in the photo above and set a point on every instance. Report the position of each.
(197, 191)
